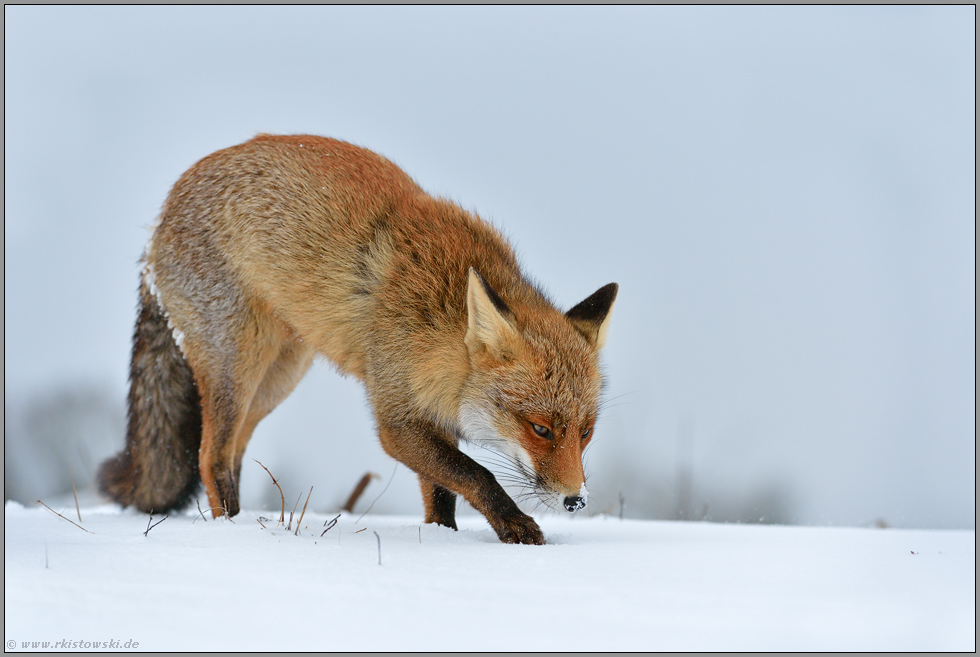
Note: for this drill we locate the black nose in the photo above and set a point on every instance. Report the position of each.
(574, 503)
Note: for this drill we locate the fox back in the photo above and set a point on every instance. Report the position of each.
(273, 251)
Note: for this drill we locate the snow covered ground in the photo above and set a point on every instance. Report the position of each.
(600, 584)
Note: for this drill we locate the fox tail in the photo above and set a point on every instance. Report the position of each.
(157, 471)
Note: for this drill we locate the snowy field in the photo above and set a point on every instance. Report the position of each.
(601, 584)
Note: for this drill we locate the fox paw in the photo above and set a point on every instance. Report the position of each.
(520, 529)
(225, 501)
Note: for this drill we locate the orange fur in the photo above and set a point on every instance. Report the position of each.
(284, 247)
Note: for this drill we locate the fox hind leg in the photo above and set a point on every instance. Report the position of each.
(440, 503)
(238, 387)
(219, 418)
(280, 380)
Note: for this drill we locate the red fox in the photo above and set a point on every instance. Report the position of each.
(284, 247)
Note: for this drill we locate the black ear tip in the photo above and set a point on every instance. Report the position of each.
(606, 294)
(596, 307)
(495, 298)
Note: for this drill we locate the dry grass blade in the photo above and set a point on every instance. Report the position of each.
(62, 517)
(282, 514)
(393, 471)
(224, 513)
(200, 513)
(303, 512)
(358, 491)
(293, 512)
(75, 493)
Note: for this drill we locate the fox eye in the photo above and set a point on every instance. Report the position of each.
(544, 432)
(586, 433)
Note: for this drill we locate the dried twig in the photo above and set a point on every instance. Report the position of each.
(379, 547)
(303, 513)
(75, 493)
(260, 522)
(200, 512)
(282, 514)
(62, 517)
(360, 530)
(358, 491)
(329, 524)
(149, 526)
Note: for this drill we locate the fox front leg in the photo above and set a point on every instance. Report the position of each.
(439, 463)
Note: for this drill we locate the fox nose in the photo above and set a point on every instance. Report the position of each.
(574, 503)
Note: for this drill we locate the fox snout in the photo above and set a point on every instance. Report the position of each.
(570, 503)
(559, 501)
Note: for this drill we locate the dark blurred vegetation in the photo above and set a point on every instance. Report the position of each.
(53, 438)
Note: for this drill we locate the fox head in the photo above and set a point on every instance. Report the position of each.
(534, 389)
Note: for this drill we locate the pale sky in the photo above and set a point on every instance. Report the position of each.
(786, 197)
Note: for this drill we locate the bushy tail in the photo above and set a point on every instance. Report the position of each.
(158, 469)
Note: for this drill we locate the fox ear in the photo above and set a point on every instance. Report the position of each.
(591, 317)
(488, 317)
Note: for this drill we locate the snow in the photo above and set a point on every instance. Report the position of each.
(600, 584)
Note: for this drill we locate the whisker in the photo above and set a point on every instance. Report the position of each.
(604, 402)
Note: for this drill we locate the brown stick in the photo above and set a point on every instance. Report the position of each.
(282, 514)
(358, 491)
